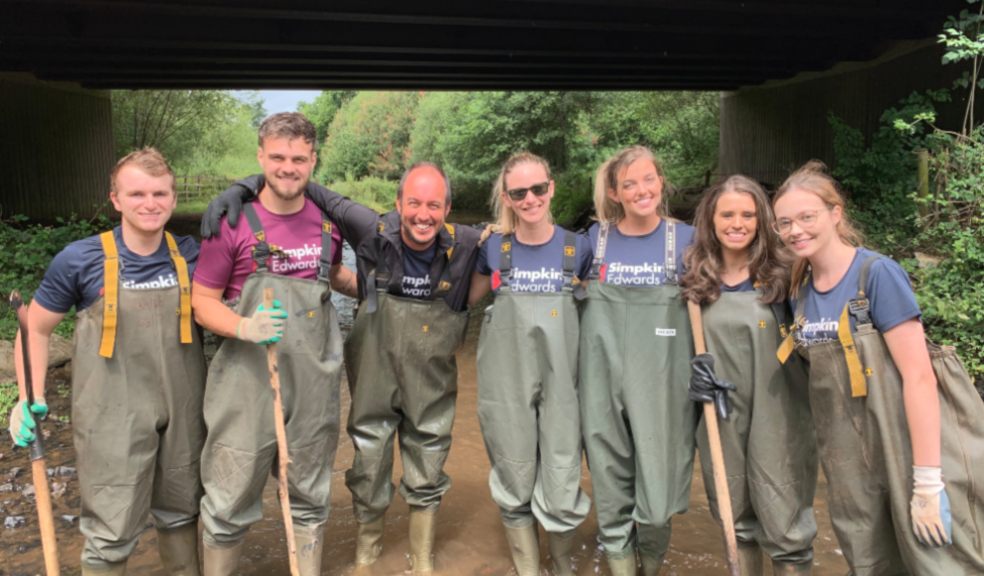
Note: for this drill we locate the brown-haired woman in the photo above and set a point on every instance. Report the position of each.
(888, 436)
(738, 271)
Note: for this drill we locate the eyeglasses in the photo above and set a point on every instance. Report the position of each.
(518, 194)
(805, 219)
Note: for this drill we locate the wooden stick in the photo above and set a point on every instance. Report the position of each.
(282, 457)
(39, 471)
(717, 454)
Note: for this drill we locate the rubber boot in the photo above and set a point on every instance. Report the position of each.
(653, 543)
(787, 569)
(179, 550)
(368, 544)
(117, 569)
(524, 549)
(309, 541)
(222, 560)
(422, 524)
(561, 545)
(624, 565)
(750, 559)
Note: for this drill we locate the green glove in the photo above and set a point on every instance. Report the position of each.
(22, 421)
(265, 326)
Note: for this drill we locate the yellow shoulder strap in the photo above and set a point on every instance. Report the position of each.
(859, 387)
(786, 347)
(184, 287)
(111, 287)
(450, 229)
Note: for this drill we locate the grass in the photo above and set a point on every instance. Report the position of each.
(8, 397)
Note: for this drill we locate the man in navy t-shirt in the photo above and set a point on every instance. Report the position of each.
(137, 373)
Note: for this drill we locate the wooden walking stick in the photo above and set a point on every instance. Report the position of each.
(39, 472)
(282, 457)
(717, 454)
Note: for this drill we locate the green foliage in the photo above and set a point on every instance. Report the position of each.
(8, 397)
(198, 131)
(938, 235)
(25, 252)
(373, 192)
(323, 109)
(369, 137)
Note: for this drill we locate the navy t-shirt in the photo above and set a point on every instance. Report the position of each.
(416, 272)
(535, 268)
(889, 294)
(75, 276)
(640, 260)
(745, 285)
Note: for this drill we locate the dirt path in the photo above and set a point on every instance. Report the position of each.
(470, 541)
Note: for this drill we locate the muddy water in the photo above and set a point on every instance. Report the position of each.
(470, 540)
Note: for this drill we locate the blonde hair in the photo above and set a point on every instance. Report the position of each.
(506, 219)
(149, 160)
(813, 177)
(606, 178)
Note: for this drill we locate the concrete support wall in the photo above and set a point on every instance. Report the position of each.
(56, 148)
(768, 131)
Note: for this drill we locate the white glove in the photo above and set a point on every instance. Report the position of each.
(265, 326)
(930, 507)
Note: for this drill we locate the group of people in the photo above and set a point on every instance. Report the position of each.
(815, 346)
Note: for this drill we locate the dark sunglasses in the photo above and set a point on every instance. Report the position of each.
(518, 194)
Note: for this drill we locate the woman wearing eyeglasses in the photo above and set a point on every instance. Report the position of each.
(878, 412)
(636, 345)
(527, 365)
(738, 271)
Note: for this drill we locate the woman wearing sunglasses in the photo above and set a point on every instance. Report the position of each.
(637, 420)
(527, 365)
(896, 449)
(738, 271)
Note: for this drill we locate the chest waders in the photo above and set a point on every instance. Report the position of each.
(638, 423)
(137, 382)
(863, 436)
(241, 446)
(402, 374)
(768, 442)
(528, 408)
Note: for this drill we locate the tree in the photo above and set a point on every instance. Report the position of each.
(322, 111)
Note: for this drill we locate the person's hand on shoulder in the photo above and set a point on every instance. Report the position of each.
(230, 204)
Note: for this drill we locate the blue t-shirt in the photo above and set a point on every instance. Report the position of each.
(416, 272)
(75, 276)
(745, 285)
(889, 294)
(538, 268)
(640, 260)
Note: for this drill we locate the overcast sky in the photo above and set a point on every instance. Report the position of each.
(285, 100)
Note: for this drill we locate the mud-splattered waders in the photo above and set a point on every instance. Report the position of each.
(400, 359)
(528, 410)
(768, 442)
(241, 445)
(137, 385)
(639, 425)
(863, 437)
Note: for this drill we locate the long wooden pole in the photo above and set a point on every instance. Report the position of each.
(282, 456)
(39, 472)
(717, 454)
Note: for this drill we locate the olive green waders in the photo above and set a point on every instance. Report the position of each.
(403, 377)
(768, 442)
(639, 425)
(527, 405)
(241, 448)
(136, 418)
(863, 437)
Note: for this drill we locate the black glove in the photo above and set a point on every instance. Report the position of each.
(705, 386)
(230, 203)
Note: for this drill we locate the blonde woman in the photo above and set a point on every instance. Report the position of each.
(527, 365)
(638, 422)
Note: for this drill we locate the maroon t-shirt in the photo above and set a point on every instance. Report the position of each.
(226, 260)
